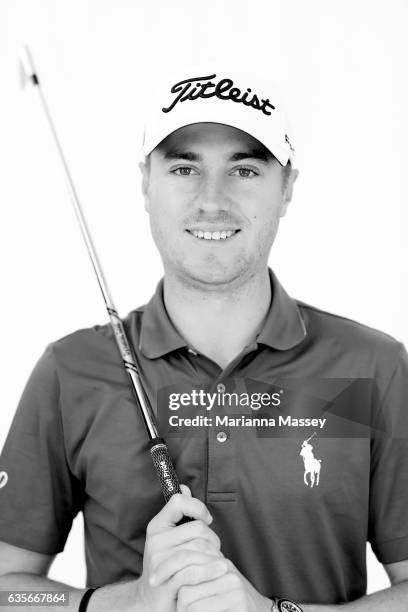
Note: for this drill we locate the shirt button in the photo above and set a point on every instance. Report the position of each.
(220, 388)
(221, 436)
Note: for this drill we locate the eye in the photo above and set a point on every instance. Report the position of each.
(245, 172)
(183, 171)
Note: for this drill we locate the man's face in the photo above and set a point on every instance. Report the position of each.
(215, 198)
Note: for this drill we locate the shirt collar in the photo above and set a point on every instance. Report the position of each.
(283, 328)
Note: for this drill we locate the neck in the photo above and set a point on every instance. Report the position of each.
(218, 323)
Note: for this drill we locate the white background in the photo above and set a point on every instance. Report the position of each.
(342, 246)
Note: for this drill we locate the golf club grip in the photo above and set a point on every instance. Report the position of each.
(165, 471)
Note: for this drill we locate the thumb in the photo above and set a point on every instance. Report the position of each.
(185, 490)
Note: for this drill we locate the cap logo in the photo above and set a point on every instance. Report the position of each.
(289, 143)
(203, 87)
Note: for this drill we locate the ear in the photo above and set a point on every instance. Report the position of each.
(288, 192)
(145, 169)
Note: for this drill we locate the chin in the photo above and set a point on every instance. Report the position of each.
(212, 274)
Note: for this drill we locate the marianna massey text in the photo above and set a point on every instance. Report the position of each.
(244, 421)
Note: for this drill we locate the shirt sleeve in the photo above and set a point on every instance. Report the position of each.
(39, 496)
(388, 515)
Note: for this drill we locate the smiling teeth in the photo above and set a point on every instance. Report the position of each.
(213, 235)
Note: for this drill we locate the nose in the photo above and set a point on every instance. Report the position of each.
(212, 195)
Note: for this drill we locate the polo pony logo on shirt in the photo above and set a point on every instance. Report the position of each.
(311, 464)
(3, 479)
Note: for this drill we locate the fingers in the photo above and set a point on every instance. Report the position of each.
(201, 545)
(198, 574)
(179, 505)
(160, 543)
(195, 537)
(187, 567)
(185, 533)
(223, 593)
(221, 603)
(176, 555)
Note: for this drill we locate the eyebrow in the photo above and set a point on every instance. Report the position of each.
(187, 155)
(260, 154)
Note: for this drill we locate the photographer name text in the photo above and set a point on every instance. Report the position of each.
(244, 421)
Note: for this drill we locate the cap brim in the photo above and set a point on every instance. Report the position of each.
(225, 115)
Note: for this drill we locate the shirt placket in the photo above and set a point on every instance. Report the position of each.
(222, 441)
(221, 459)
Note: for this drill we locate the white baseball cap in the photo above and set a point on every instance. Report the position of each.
(232, 96)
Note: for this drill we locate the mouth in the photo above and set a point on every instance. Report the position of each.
(218, 236)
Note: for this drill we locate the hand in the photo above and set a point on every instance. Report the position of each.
(231, 592)
(178, 555)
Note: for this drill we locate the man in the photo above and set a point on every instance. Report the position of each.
(240, 374)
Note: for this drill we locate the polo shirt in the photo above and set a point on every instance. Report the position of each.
(304, 460)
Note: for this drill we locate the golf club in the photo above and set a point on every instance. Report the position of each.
(158, 449)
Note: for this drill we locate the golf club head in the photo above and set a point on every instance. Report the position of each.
(26, 67)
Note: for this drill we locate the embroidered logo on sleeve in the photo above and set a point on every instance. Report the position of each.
(3, 479)
(311, 464)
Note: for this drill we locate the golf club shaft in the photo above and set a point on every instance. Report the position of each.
(158, 449)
